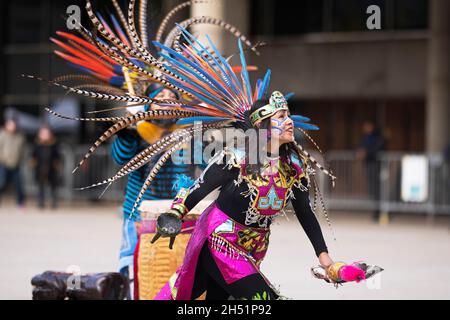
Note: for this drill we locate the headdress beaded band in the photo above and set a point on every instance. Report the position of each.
(276, 102)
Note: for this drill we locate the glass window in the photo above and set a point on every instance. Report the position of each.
(286, 17)
(350, 15)
(411, 14)
(270, 17)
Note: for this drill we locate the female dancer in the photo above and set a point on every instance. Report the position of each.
(231, 237)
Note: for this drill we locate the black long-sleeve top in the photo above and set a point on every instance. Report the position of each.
(234, 204)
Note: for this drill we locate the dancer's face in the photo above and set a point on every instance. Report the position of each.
(282, 127)
(164, 94)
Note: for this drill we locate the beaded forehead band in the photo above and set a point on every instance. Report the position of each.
(276, 102)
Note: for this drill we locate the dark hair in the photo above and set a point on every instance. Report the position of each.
(285, 151)
(12, 118)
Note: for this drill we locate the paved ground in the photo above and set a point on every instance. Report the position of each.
(414, 252)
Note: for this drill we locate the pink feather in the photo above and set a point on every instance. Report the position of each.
(351, 273)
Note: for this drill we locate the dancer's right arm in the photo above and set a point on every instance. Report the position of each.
(216, 175)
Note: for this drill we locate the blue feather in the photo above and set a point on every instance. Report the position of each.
(117, 68)
(102, 42)
(138, 62)
(191, 120)
(306, 126)
(222, 74)
(265, 85)
(299, 118)
(178, 57)
(202, 92)
(219, 88)
(289, 95)
(258, 83)
(117, 81)
(182, 181)
(117, 26)
(227, 66)
(244, 72)
(205, 99)
(84, 69)
(189, 81)
(180, 65)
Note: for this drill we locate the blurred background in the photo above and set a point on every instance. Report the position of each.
(380, 97)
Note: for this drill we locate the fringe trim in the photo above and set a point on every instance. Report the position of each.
(224, 247)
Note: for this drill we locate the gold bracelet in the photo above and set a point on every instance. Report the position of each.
(333, 270)
(176, 213)
(181, 208)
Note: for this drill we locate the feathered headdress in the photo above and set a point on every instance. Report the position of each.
(119, 67)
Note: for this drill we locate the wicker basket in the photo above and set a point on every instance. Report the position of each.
(156, 263)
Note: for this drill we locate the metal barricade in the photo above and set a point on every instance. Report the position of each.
(360, 185)
(372, 185)
(355, 183)
(97, 168)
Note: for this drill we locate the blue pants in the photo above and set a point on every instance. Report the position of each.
(13, 175)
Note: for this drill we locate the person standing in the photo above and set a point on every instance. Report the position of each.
(46, 161)
(12, 145)
(372, 144)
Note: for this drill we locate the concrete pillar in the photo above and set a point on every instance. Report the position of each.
(235, 12)
(215, 9)
(3, 62)
(438, 78)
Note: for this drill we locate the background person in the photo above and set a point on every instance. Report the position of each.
(12, 146)
(46, 162)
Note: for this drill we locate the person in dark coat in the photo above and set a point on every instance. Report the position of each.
(372, 144)
(46, 160)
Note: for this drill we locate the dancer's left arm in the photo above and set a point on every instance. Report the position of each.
(308, 220)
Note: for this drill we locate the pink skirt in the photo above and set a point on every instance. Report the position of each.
(238, 251)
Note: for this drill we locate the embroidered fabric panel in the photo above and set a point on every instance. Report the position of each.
(270, 193)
